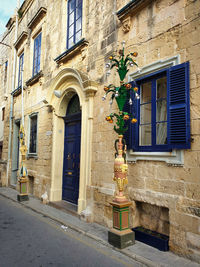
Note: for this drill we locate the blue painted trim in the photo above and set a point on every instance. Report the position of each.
(149, 77)
(153, 147)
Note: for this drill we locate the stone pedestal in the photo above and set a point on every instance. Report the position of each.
(23, 189)
(120, 235)
(22, 198)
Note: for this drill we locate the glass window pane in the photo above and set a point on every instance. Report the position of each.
(161, 110)
(71, 30)
(145, 113)
(70, 42)
(78, 36)
(71, 5)
(78, 2)
(161, 85)
(78, 12)
(145, 135)
(78, 25)
(71, 18)
(145, 94)
(161, 133)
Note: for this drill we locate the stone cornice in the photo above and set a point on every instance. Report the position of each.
(132, 8)
(71, 51)
(38, 16)
(20, 39)
(10, 23)
(34, 79)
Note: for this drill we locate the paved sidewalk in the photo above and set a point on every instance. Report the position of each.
(140, 252)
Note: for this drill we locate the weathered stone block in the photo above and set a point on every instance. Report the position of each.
(193, 240)
(121, 239)
(192, 191)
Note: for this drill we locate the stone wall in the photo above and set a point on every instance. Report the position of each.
(158, 30)
(161, 30)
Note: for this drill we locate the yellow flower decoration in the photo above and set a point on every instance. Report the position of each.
(133, 120)
(126, 117)
(111, 57)
(128, 86)
(108, 118)
(135, 89)
(106, 88)
(135, 54)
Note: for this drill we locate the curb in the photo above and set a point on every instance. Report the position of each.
(133, 256)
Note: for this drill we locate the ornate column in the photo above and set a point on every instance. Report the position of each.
(23, 179)
(121, 235)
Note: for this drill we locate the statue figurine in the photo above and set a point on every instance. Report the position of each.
(120, 169)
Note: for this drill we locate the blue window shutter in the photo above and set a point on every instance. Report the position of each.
(178, 107)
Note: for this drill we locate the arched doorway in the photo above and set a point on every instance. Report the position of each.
(71, 158)
(69, 82)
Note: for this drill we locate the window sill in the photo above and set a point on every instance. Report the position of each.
(34, 79)
(176, 157)
(17, 91)
(71, 51)
(34, 156)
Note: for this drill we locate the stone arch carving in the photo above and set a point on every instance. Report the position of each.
(67, 83)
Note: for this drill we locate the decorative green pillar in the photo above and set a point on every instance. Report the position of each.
(121, 235)
(23, 179)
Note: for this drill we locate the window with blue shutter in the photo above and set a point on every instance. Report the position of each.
(163, 111)
(37, 54)
(21, 63)
(74, 22)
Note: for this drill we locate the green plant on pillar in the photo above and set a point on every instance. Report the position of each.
(122, 63)
(121, 93)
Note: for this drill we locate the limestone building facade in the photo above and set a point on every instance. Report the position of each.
(58, 54)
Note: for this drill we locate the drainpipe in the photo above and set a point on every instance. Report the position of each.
(115, 17)
(12, 89)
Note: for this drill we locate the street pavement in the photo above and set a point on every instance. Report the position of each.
(34, 234)
(30, 239)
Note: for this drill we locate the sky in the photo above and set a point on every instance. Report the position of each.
(7, 8)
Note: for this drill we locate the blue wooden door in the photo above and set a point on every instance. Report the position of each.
(71, 164)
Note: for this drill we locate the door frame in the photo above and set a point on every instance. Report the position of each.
(15, 153)
(76, 117)
(69, 82)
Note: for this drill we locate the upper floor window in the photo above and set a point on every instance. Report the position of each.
(3, 114)
(37, 54)
(33, 134)
(6, 71)
(74, 22)
(163, 111)
(21, 64)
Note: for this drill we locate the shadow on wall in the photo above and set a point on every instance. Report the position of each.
(31, 184)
